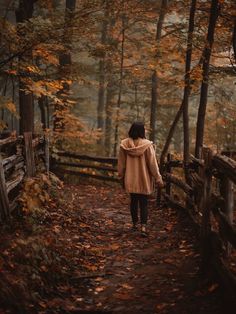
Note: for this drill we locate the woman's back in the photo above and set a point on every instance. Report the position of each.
(137, 164)
(138, 170)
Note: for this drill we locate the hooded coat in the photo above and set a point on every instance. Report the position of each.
(137, 166)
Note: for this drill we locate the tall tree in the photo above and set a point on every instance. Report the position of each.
(102, 66)
(65, 65)
(187, 85)
(108, 110)
(26, 101)
(153, 113)
(155, 82)
(42, 101)
(121, 76)
(214, 13)
(111, 86)
(183, 109)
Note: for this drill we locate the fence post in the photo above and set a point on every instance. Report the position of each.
(4, 201)
(205, 206)
(29, 155)
(227, 192)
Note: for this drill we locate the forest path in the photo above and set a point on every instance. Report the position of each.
(79, 255)
(157, 274)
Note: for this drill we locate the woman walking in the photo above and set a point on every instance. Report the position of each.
(138, 169)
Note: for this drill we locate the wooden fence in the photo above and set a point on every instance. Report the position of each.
(101, 168)
(19, 157)
(208, 197)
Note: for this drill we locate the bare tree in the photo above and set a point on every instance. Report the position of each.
(102, 66)
(121, 76)
(155, 82)
(214, 12)
(187, 85)
(187, 88)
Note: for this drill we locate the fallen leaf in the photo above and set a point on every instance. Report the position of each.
(161, 306)
(127, 286)
(99, 289)
(213, 287)
(114, 246)
(170, 261)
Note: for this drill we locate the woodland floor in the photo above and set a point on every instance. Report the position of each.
(80, 256)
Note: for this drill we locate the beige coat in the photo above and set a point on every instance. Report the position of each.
(137, 166)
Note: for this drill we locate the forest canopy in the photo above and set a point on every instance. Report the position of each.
(85, 70)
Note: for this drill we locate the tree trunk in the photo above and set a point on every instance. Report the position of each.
(4, 94)
(153, 117)
(170, 135)
(13, 118)
(164, 4)
(108, 109)
(48, 114)
(42, 106)
(65, 58)
(187, 85)
(26, 100)
(234, 39)
(70, 5)
(65, 65)
(111, 91)
(136, 102)
(178, 115)
(117, 118)
(101, 91)
(155, 83)
(205, 76)
(26, 108)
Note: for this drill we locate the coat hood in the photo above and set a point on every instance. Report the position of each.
(135, 147)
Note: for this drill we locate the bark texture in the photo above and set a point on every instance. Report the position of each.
(205, 76)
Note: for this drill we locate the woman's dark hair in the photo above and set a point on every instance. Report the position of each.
(137, 130)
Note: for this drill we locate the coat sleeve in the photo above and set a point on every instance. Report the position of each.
(121, 163)
(153, 165)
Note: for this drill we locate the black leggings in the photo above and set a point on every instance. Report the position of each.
(136, 201)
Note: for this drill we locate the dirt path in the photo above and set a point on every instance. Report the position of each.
(80, 256)
(158, 274)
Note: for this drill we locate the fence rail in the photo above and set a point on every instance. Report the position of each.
(19, 157)
(67, 162)
(209, 199)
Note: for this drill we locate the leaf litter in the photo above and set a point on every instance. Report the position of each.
(81, 255)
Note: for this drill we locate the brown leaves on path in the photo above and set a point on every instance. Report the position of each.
(84, 257)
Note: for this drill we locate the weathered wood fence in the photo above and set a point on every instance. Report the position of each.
(19, 157)
(101, 168)
(208, 197)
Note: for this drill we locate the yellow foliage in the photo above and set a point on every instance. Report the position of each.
(36, 192)
(44, 52)
(32, 69)
(6, 103)
(2, 125)
(10, 106)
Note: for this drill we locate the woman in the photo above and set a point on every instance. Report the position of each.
(138, 169)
